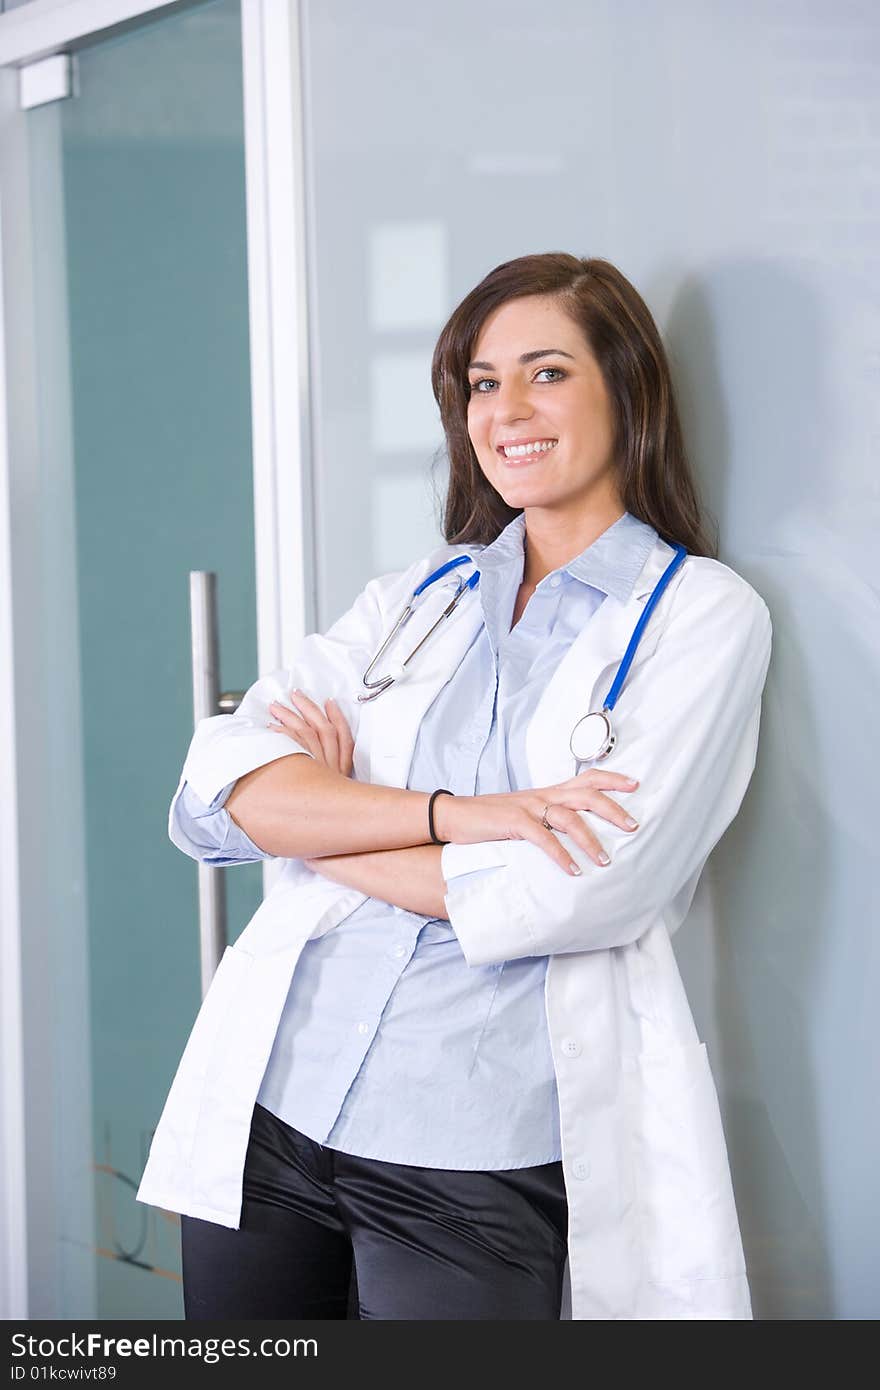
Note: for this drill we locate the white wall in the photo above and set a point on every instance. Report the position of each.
(725, 157)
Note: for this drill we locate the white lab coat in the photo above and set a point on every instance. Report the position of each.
(653, 1228)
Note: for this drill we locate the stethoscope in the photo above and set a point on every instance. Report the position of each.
(593, 736)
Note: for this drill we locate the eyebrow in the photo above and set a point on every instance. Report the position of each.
(525, 357)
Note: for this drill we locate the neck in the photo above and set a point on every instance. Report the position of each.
(551, 541)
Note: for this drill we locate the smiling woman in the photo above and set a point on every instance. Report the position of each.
(443, 1057)
(603, 391)
(544, 436)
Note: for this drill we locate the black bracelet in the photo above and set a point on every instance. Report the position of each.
(439, 792)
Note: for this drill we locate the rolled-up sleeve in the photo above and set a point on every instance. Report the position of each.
(696, 703)
(208, 833)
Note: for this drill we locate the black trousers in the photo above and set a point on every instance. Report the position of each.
(325, 1234)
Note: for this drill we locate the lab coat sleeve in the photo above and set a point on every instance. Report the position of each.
(689, 719)
(224, 747)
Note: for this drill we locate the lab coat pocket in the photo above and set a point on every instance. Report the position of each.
(684, 1193)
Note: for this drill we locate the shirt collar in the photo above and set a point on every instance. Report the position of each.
(612, 563)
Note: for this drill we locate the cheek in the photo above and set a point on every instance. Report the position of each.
(478, 431)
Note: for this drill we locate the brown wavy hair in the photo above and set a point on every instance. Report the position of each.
(653, 473)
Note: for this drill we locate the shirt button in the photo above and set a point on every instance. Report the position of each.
(570, 1047)
(555, 581)
(581, 1168)
(363, 1027)
(400, 950)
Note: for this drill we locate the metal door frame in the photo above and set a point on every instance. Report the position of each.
(281, 433)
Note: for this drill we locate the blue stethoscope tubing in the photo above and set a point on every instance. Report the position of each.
(593, 736)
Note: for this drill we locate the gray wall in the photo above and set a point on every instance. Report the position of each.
(725, 157)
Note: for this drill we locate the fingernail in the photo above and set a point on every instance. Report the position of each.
(574, 868)
(630, 823)
(603, 858)
(633, 781)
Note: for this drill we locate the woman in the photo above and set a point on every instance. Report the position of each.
(452, 1047)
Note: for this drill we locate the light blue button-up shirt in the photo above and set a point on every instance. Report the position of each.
(390, 1046)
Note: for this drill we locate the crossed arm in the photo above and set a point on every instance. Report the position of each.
(695, 755)
(375, 838)
(408, 876)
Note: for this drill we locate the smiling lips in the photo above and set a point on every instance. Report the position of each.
(526, 450)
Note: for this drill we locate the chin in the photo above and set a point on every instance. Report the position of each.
(525, 495)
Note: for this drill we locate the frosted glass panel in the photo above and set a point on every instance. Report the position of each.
(144, 474)
(725, 157)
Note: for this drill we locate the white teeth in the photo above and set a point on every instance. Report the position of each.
(519, 450)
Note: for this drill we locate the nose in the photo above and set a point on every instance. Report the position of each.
(512, 401)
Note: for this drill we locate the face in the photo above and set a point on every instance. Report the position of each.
(557, 394)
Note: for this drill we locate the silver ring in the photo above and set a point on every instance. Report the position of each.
(544, 821)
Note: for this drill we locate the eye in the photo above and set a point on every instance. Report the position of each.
(475, 387)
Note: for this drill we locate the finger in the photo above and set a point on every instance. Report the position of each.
(312, 711)
(609, 810)
(325, 730)
(285, 713)
(298, 727)
(344, 737)
(602, 777)
(342, 726)
(570, 822)
(304, 737)
(337, 724)
(538, 834)
(329, 741)
(294, 726)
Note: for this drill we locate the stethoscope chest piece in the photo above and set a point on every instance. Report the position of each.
(592, 737)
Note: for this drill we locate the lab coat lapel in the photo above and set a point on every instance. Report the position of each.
(389, 724)
(583, 677)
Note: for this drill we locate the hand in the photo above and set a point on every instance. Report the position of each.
(324, 732)
(517, 815)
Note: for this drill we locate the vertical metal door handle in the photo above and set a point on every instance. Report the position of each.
(205, 664)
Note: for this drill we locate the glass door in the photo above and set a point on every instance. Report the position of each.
(142, 472)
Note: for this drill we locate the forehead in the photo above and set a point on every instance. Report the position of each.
(517, 326)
